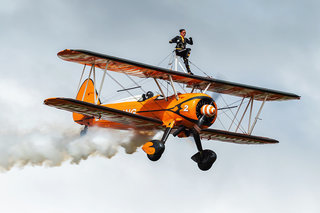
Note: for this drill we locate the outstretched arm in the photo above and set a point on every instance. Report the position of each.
(190, 41)
(174, 40)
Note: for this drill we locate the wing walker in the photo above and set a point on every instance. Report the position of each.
(180, 114)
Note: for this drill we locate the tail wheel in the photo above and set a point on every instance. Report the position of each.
(154, 149)
(84, 131)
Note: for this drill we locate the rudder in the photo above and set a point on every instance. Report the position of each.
(86, 93)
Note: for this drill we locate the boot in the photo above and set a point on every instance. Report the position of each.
(189, 71)
(186, 62)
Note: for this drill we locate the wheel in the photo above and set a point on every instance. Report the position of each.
(205, 159)
(154, 157)
(154, 149)
(84, 131)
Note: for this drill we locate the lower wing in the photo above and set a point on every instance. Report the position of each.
(225, 136)
(106, 113)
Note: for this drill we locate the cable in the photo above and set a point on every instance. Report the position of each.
(200, 69)
(165, 58)
(134, 96)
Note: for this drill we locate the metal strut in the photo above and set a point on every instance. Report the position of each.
(85, 90)
(251, 106)
(207, 87)
(94, 85)
(165, 97)
(174, 89)
(236, 113)
(176, 62)
(102, 80)
(257, 117)
(251, 99)
(167, 131)
(81, 78)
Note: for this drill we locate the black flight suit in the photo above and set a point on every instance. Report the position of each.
(181, 49)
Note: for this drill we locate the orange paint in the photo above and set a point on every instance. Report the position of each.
(147, 148)
(173, 113)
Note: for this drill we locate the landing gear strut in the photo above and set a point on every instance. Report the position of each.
(155, 148)
(204, 158)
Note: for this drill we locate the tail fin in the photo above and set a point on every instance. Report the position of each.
(86, 93)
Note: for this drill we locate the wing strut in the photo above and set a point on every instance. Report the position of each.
(174, 89)
(102, 80)
(250, 126)
(236, 114)
(165, 97)
(257, 117)
(81, 78)
(205, 90)
(94, 85)
(85, 90)
(249, 123)
(251, 99)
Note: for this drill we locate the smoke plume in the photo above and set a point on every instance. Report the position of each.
(34, 134)
(49, 147)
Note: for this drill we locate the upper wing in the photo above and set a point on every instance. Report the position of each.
(110, 114)
(147, 71)
(225, 136)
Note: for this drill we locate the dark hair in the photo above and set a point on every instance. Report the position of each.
(181, 30)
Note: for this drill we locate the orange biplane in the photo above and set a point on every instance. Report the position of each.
(182, 115)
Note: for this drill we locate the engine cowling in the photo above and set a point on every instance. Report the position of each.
(207, 107)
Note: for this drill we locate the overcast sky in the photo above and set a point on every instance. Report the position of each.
(273, 44)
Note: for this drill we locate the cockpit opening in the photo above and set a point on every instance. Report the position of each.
(146, 96)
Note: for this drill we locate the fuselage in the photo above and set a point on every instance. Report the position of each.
(183, 110)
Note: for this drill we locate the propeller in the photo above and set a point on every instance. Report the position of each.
(206, 110)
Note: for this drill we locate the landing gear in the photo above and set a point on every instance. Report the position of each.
(84, 131)
(204, 158)
(155, 148)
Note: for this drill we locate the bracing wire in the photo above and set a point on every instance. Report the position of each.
(121, 86)
(200, 69)
(171, 60)
(132, 94)
(170, 54)
(171, 64)
(236, 119)
(241, 127)
(221, 123)
(134, 81)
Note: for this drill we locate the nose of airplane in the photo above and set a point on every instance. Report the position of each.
(208, 110)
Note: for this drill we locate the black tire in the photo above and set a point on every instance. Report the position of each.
(207, 159)
(159, 149)
(154, 157)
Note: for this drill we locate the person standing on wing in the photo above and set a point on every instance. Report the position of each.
(181, 49)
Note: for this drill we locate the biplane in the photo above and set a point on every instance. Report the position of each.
(180, 114)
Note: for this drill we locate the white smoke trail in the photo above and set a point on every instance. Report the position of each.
(51, 148)
(33, 134)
